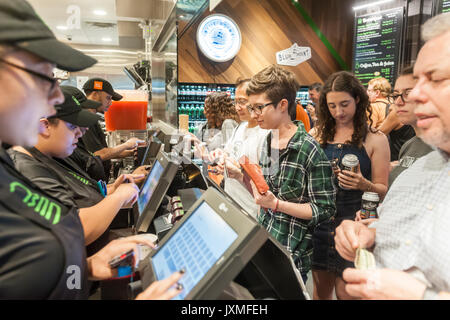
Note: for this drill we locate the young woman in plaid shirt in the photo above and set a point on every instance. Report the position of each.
(294, 166)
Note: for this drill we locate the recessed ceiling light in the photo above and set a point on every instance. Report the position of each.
(100, 12)
(62, 27)
(106, 39)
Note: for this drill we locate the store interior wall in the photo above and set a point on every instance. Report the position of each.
(271, 26)
(268, 27)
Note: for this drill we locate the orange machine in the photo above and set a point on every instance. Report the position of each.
(126, 115)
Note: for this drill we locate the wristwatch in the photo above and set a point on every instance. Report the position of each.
(430, 294)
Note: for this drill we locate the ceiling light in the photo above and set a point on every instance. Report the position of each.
(100, 12)
(62, 27)
(106, 39)
(364, 6)
(111, 51)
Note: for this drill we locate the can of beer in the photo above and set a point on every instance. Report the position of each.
(350, 163)
(369, 204)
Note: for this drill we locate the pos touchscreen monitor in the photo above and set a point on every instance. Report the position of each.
(153, 190)
(213, 243)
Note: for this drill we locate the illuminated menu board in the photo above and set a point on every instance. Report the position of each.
(376, 45)
(444, 6)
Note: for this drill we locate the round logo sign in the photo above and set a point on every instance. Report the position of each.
(219, 38)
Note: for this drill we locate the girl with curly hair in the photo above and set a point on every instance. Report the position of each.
(342, 128)
(221, 119)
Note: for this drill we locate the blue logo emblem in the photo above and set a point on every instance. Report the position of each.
(219, 38)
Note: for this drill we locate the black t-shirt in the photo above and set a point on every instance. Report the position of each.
(92, 165)
(31, 257)
(397, 138)
(71, 188)
(94, 140)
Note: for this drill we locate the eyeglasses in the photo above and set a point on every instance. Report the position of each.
(53, 81)
(258, 109)
(404, 96)
(240, 102)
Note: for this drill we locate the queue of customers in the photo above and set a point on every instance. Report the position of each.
(313, 205)
(59, 153)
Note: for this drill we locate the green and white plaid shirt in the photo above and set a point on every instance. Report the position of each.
(301, 174)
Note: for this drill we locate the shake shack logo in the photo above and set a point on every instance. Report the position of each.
(46, 208)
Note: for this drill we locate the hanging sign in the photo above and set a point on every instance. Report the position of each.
(293, 56)
(213, 4)
(377, 45)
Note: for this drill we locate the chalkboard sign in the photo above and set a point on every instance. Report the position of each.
(444, 6)
(376, 45)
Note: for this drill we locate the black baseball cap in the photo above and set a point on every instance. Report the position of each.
(85, 103)
(99, 84)
(72, 112)
(21, 27)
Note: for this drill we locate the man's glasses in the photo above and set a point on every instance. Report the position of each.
(258, 109)
(53, 81)
(404, 96)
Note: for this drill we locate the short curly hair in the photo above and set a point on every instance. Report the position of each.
(277, 83)
(219, 107)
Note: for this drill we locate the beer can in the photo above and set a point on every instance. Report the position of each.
(350, 163)
(369, 204)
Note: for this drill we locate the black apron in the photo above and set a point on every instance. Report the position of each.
(47, 213)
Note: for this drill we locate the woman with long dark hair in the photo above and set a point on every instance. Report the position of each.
(343, 129)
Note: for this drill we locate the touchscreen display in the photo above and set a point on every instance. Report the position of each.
(149, 186)
(195, 246)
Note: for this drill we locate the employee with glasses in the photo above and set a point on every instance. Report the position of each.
(414, 148)
(52, 80)
(42, 253)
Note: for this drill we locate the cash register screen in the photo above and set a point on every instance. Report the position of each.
(195, 246)
(149, 186)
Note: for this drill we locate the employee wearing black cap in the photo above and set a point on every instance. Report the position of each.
(81, 157)
(41, 238)
(100, 90)
(98, 202)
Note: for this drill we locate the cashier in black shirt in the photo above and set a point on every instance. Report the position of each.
(81, 158)
(59, 134)
(42, 243)
(94, 141)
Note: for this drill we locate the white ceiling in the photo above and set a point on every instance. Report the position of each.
(120, 26)
(92, 27)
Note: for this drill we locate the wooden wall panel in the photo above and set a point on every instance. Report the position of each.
(269, 26)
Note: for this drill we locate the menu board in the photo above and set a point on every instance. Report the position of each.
(376, 45)
(444, 6)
